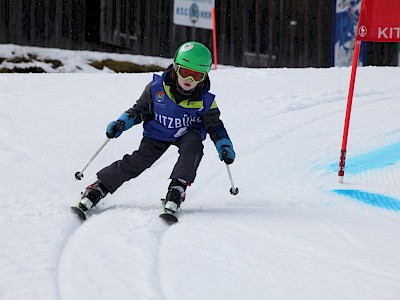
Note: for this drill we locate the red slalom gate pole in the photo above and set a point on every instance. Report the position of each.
(214, 32)
(342, 161)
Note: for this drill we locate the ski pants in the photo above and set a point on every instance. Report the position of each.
(190, 149)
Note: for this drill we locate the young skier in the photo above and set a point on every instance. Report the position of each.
(176, 109)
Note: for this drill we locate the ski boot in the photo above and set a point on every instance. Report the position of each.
(175, 196)
(90, 197)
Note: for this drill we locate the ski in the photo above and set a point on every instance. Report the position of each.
(167, 215)
(79, 212)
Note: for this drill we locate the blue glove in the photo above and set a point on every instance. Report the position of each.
(225, 150)
(115, 128)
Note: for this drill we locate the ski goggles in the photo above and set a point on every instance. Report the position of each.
(186, 73)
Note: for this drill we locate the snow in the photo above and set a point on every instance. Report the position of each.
(292, 232)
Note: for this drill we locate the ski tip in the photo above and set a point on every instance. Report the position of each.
(78, 212)
(170, 218)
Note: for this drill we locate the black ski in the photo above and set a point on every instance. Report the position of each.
(168, 217)
(165, 214)
(79, 212)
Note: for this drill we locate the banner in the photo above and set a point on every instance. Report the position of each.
(194, 13)
(379, 21)
(346, 19)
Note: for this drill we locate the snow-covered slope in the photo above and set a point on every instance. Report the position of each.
(292, 232)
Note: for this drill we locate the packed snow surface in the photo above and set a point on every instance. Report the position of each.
(292, 232)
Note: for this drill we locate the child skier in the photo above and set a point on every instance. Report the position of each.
(176, 109)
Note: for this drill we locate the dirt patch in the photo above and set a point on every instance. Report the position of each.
(54, 62)
(23, 70)
(124, 66)
(19, 60)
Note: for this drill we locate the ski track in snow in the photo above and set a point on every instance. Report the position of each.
(75, 223)
(87, 263)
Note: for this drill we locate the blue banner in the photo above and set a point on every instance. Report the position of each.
(346, 19)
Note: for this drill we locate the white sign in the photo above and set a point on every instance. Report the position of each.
(193, 13)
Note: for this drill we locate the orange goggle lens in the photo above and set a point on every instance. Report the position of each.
(186, 73)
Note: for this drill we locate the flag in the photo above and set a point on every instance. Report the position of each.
(379, 21)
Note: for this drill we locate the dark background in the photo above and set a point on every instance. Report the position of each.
(253, 33)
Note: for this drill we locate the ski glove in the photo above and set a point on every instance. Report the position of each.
(225, 150)
(115, 128)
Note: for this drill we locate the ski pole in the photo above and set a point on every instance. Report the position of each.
(79, 175)
(234, 190)
(118, 127)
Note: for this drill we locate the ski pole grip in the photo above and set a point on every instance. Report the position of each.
(121, 125)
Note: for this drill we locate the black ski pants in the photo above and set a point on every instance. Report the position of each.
(190, 149)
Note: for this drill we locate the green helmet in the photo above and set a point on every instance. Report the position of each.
(193, 55)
